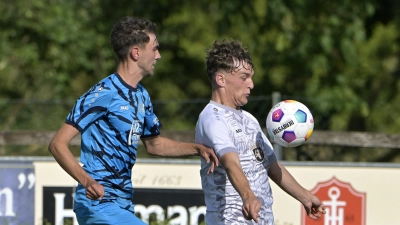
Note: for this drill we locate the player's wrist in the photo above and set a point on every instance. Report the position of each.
(247, 195)
(87, 181)
(306, 198)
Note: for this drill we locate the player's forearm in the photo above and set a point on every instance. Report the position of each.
(236, 176)
(287, 183)
(240, 183)
(161, 146)
(68, 162)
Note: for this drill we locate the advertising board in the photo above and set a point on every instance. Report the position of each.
(171, 190)
(17, 185)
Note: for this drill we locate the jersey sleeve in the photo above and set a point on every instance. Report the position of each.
(213, 132)
(152, 124)
(269, 149)
(89, 107)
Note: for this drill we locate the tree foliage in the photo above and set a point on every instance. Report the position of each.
(341, 58)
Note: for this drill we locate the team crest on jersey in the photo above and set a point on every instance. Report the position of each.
(141, 107)
(259, 154)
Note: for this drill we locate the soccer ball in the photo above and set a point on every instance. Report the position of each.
(290, 123)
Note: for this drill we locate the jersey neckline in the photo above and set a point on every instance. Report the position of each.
(126, 84)
(237, 111)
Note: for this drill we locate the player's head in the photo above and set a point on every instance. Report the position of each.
(230, 69)
(226, 56)
(130, 31)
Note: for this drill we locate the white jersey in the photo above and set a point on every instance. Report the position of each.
(228, 130)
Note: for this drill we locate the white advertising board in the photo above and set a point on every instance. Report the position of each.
(379, 182)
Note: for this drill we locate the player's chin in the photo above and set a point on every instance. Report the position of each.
(149, 74)
(244, 101)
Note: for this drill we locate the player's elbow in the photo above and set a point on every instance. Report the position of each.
(51, 147)
(153, 146)
(54, 147)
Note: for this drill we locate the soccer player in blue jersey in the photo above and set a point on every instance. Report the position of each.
(112, 116)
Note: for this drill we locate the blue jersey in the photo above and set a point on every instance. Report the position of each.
(112, 116)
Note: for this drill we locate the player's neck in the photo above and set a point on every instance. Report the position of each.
(220, 98)
(129, 74)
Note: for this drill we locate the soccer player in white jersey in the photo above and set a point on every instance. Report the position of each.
(238, 192)
(112, 116)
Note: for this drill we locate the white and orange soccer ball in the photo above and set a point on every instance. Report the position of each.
(290, 123)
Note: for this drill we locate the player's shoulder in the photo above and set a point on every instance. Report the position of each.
(106, 84)
(100, 90)
(211, 110)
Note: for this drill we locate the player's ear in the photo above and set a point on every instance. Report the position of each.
(220, 79)
(135, 52)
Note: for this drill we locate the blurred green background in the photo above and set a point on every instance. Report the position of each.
(340, 58)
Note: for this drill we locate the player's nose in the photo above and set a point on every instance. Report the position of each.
(251, 84)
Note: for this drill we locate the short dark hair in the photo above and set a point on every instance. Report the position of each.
(222, 54)
(129, 31)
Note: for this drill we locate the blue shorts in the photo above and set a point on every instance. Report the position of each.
(106, 214)
(111, 210)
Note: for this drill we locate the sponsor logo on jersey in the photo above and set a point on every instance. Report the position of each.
(134, 134)
(124, 107)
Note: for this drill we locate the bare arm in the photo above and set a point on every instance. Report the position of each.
(58, 147)
(251, 204)
(286, 182)
(161, 146)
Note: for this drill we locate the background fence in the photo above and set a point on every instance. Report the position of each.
(173, 114)
(27, 126)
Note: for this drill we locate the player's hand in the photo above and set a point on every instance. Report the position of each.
(209, 155)
(314, 208)
(251, 208)
(94, 190)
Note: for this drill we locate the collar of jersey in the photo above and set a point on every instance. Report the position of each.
(226, 107)
(125, 84)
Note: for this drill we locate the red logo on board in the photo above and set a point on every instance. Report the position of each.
(344, 205)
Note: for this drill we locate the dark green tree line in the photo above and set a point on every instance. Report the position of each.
(341, 58)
